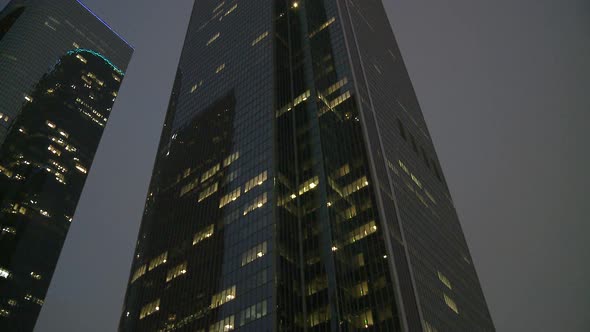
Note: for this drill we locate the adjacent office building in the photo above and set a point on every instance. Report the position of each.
(60, 70)
(296, 186)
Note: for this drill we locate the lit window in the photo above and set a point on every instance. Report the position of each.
(360, 290)
(309, 185)
(362, 232)
(222, 297)
(208, 192)
(229, 160)
(189, 186)
(149, 309)
(254, 253)
(363, 320)
(139, 272)
(50, 124)
(35, 276)
(207, 232)
(322, 27)
(161, 259)
(256, 181)
(4, 273)
(231, 9)
(428, 327)
(224, 325)
(176, 271)
(220, 68)
(257, 203)
(81, 168)
(232, 196)
(355, 186)
(451, 304)
(209, 173)
(54, 150)
(259, 38)
(81, 58)
(213, 38)
(444, 279)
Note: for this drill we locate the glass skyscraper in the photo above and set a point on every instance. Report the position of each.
(60, 70)
(296, 187)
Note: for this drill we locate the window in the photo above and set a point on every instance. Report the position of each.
(161, 259)
(257, 203)
(209, 173)
(213, 39)
(232, 196)
(362, 232)
(222, 297)
(231, 158)
(253, 312)
(256, 181)
(149, 309)
(444, 279)
(208, 192)
(189, 186)
(207, 232)
(140, 271)
(176, 271)
(355, 186)
(360, 290)
(451, 304)
(308, 185)
(224, 325)
(363, 320)
(259, 38)
(220, 68)
(254, 253)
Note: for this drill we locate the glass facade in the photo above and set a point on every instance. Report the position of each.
(52, 129)
(296, 187)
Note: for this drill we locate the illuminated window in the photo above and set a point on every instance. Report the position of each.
(208, 192)
(50, 124)
(319, 316)
(161, 259)
(358, 260)
(360, 289)
(444, 279)
(81, 169)
(54, 150)
(231, 9)
(451, 304)
(207, 232)
(149, 309)
(317, 284)
(253, 312)
(139, 272)
(355, 186)
(224, 325)
(222, 297)
(363, 320)
(342, 171)
(81, 58)
(256, 181)
(220, 68)
(189, 187)
(254, 253)
(229, 160)
(257, 203)
(4, 273)
(232, 196)
(259, 38)
(210, 172)
(176, 271)
(308, 185)
(213, 38)
(322, 27)
(36, 276)
(362, 232)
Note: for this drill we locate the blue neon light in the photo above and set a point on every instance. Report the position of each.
(80, 50)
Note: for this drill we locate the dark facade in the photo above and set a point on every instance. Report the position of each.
(296, 187)
(50, 138)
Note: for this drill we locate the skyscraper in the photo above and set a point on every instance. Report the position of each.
(60, 68)
(296, 187)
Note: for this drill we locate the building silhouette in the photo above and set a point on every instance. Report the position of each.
(60, 69)
(296, 186)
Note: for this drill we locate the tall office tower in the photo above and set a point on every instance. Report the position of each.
(60, 70)
(296, 187)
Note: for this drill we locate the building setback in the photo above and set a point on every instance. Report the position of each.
(60, 68)
(296, 187)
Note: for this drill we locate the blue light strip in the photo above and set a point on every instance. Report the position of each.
(80, 50)
(105, 23)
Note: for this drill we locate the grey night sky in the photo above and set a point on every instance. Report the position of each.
(505, 88)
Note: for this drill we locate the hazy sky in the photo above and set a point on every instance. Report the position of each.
(505, 88)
